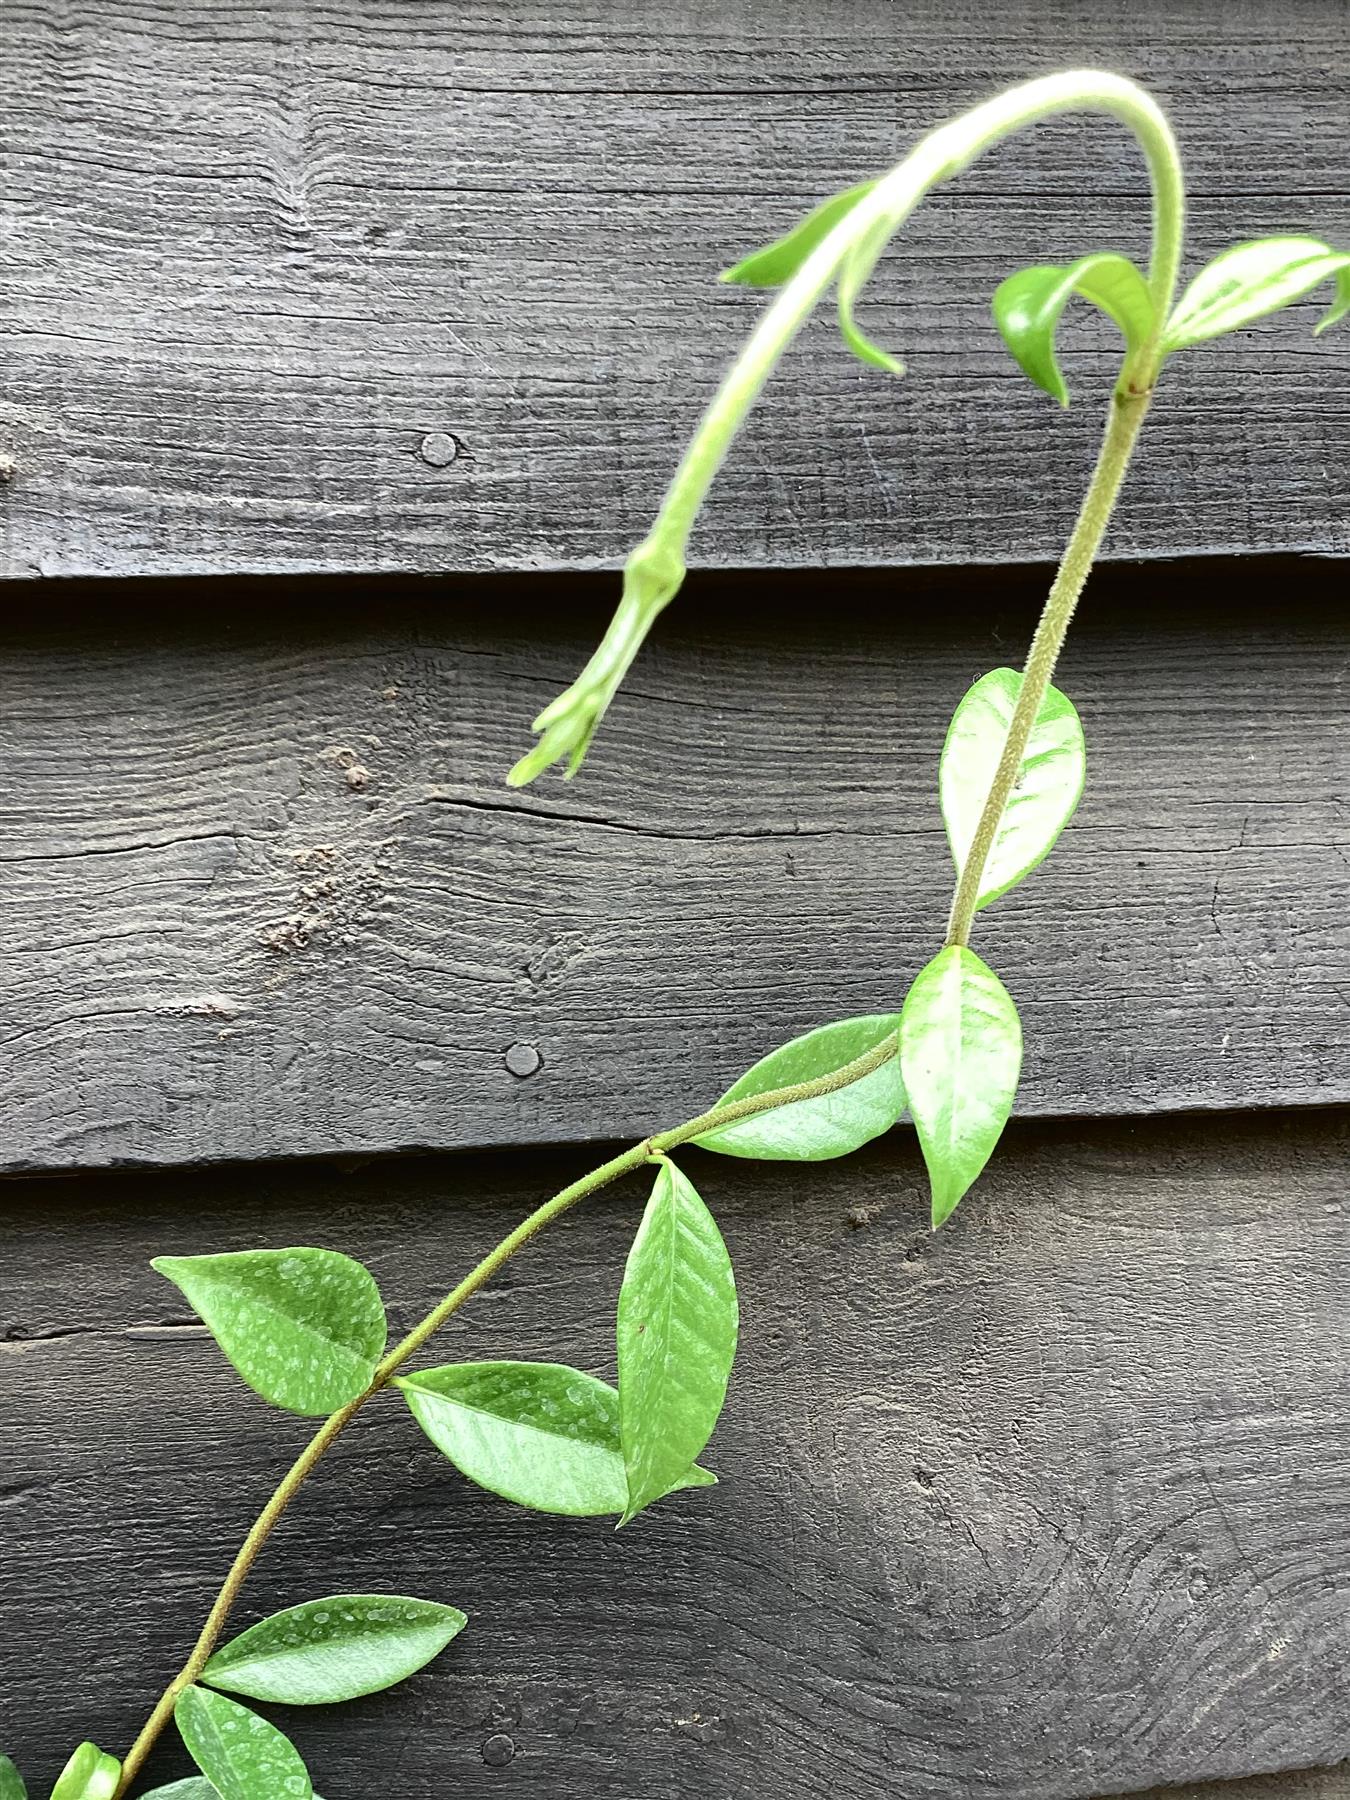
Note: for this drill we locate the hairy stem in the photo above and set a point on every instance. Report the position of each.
(332, 1428)
(655, 570)
(1122, 428)
(938, 157)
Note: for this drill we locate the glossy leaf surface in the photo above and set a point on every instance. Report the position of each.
(91, 1774)
(676, 1329)
(1049, 785)
(195, 1787)
(11, 1782)
(540, 1434)
(834, 1124)
(304, 1328)
(1028, 306)
(961, 1044)
(779, 262)
(1252, 280)
(242, 1756)
(336, 1649)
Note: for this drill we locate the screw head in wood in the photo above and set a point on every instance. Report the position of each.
(438, 449)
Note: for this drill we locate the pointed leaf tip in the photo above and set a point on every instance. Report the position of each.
(12, 1785)
(863, 347)
(676, 1330)
(339, 1648)
(304, 1328)
(961, 1046)
(779, 261)
(539, 1434)
(857, 266)
(1028, 306)
(1252, 280)
(1340, 304)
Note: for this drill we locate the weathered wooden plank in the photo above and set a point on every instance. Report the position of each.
(266, 894)
(1056, 1503)
(266, 269)
(1301, 1784)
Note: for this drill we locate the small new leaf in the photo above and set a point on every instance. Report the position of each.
(332, 1650)
(540, 1434)
(651, 579)
(961, 1046)
(676, 1328)
(91, 1774)
(853, 275)
(832, 1125)
(11, 1782)
(1251, 280)
(305, 1328)
(1028, 305)
(241, 1755)
(779, 262)
(1049, 783)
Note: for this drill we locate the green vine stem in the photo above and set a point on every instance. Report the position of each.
(332, 1428)
(655, 570)
(1122, 429)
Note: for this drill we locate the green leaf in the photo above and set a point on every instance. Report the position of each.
(195, 1787)
(676, 1329)
(241, 1755)
(11, 1782)
(305, 1328)
(335, 1649)
(540, 1434)
(779, 262)
(1340, 304)
(652, 577)
(816, 1130)
(1028, 305)
(853, 275)
(91, 1774)
(1251, 280)
(1049, 783)
(961, 1046)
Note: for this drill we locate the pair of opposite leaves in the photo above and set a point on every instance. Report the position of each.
(959, 1035)
(960, 1041)
(1243, 284)
(557, 1440)
(306, 1329)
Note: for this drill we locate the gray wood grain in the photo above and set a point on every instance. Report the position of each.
(266, 271)
(265, 893)
(1054, 1504)
(1300, 1784)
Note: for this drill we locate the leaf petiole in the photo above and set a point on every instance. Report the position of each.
(635, 1157)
